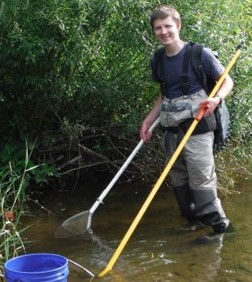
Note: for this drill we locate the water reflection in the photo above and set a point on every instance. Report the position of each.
(159, 249)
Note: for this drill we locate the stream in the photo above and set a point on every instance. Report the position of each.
(160, 249)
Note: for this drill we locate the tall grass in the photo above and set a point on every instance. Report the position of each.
(15, 176)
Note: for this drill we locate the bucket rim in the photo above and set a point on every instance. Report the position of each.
(35, 255)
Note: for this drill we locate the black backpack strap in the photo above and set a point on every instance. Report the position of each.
(197, 66)
(158, 67)
(185, 75)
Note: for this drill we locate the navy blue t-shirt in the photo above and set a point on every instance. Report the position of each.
(173, 66)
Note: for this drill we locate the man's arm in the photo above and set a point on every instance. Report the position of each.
(224, 90)
(145, 134)
(214, 69)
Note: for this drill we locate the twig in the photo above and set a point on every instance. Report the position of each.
(91, 152)
(69, 162)
(83, 167)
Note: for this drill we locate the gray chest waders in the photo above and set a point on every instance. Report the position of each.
(194, 180)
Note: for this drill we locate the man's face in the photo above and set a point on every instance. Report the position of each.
(166, 30)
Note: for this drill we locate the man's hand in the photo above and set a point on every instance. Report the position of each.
(210, 105)
(145, 134)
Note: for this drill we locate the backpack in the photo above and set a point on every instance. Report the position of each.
(222, 116)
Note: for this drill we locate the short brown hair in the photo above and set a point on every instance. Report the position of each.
(163, 12)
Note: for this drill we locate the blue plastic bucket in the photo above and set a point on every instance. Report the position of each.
(37, 267)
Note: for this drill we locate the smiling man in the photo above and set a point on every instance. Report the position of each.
(193, 177)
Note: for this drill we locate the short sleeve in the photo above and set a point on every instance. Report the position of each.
(211, 64)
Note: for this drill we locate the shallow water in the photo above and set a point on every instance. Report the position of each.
(160, 249)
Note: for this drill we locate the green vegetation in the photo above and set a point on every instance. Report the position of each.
(72, 70)
(16, 171)
(75, 81)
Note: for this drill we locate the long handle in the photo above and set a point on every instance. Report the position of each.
(165, 172)
(113, 181)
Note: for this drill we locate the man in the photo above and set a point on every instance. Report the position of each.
(193, 177)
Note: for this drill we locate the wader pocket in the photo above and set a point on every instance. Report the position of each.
(175, 111)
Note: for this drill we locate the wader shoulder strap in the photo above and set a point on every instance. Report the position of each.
(185, 75)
